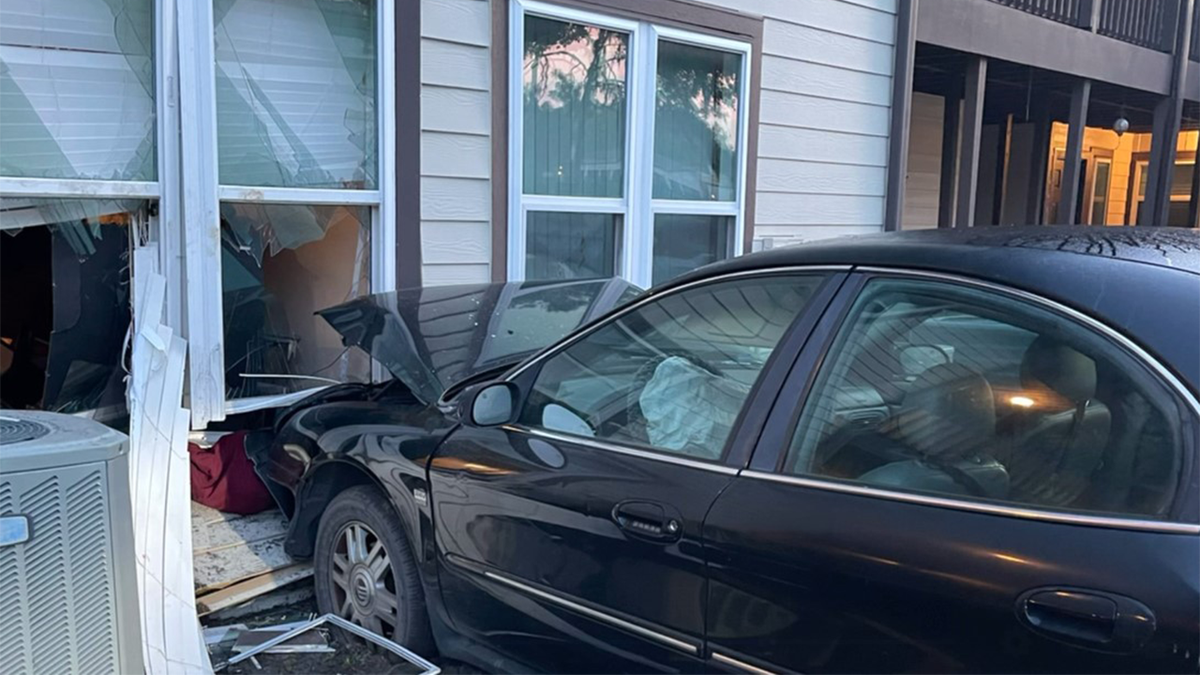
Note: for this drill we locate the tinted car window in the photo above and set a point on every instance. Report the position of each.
(943, 389)
(673, 374)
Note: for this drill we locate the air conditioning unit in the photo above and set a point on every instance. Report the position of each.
(68, 590)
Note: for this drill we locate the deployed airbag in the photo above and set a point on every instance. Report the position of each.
(690, 409)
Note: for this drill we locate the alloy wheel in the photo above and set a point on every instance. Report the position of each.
(364, 586)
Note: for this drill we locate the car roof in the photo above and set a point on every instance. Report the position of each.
(1142, 281)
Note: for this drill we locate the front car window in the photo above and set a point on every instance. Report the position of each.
(938, 388)
(673, 374)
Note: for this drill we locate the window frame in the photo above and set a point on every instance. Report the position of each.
(779, 363)
(204, 193)
(1141, 164)
(636, 208)
(771, 452)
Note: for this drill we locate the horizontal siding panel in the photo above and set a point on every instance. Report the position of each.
(455, 65)
(826, 81)
(889, 6)
(466, 21)
(785, 235)
(456, 243)
(777, 208)
(461, 110)
(811, 112)
(455, 155)
(443, 275)
(455, 199)
(781, 175)
(833, 15)
(825, 146)
(820, 46)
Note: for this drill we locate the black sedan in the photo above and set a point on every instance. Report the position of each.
(948, 451)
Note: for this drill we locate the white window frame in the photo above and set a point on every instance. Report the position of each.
(636, 209)
(189, 195)
(205, 311)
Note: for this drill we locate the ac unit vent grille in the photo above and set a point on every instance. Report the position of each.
(58, 585)
(19, 431)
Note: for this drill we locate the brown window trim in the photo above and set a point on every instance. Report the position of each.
(683, 14)
(407, 220)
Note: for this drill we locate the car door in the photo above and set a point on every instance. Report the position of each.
(569, 540)
(1026, 505)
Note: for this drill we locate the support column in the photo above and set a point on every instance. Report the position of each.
(1073, 157)
(950, 120)
(902, 84)
(974, 88)
(1039, 161)
(1000, 184)
(1194, 202)
(1167, 116)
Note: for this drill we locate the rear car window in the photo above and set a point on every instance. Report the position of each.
(943, 389)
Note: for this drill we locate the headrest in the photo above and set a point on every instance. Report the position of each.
(949, 411)
(1052, 365)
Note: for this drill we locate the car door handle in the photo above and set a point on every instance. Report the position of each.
(648, 520)
(1087, 618)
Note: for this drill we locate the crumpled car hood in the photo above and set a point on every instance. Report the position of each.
(432, 338)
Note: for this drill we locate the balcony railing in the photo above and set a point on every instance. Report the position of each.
(1147, 23)
(1063, 11)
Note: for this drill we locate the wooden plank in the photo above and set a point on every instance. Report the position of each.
(465, 21)
(778, 175)
(775, 208)
(814, 79)
(440, 275)
(814, 45)
(212, 529)
(460, 110)
(456, 243)
(455, 155)
(810, 112)
(837, 16)
(243, 591)
(455, 199)
(455, 65)
(781, 142)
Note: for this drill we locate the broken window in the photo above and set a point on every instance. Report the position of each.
(296, 91)
(280, 264)
(77, 89)
(65, 298)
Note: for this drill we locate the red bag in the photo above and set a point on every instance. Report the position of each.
(223, 477)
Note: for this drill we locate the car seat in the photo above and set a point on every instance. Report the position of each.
(1059, 442)
(948, 420)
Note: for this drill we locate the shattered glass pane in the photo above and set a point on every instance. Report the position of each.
(65, 300)
(77, 89)
(296, 93)
(279, 265)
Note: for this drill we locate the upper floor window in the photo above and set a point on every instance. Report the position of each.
(627, 146)
(937, 388)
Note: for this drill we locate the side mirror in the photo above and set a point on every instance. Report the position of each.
(491, 404)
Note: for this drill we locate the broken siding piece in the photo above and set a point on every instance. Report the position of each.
(171, 638)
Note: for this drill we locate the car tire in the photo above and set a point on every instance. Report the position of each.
(365, 571)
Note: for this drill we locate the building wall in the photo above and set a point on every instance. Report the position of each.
(456, 146)
(922, 188)
(824, 111)
(824, 116)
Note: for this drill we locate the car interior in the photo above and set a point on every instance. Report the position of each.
(945, 395)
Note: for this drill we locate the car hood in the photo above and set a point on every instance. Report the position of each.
(432, 338)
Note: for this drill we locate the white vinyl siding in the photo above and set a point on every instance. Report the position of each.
(456, 202)
(824, 117)
(823, 137)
